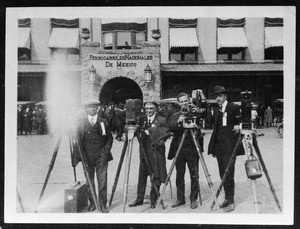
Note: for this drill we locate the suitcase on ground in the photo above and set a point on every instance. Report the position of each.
(76, 197)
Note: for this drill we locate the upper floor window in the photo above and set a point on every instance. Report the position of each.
(231, 39)
(64, 39)
(184, 43)
(273, 38)
(24, 41)
(124, 33)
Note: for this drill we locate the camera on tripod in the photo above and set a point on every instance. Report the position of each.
(192, 111)
(246, 108)
(133, 111)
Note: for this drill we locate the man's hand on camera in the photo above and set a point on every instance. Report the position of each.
(236, 129)
(181, 118)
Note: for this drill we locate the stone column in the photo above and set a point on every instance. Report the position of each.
(88, 91)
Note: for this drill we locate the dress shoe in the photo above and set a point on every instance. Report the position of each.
(194, 204)
(225, 203)
(230, 207)
(135, 203)
(104, 210)
(92, 207)
(153, 204)
(177, 204)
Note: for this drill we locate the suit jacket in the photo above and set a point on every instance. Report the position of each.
(154, 145)
(178, 130)
(228, 136)
(83, 123)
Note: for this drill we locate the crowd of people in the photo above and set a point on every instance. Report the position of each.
(31, 119)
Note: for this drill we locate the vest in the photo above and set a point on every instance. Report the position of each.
(94, 141)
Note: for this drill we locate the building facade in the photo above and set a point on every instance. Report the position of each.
(153, 58)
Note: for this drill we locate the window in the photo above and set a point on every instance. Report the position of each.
(273, 38)
(183, 54)
(184, 43)
(118, 34)
(231, 39)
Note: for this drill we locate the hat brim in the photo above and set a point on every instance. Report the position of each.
(220, 92)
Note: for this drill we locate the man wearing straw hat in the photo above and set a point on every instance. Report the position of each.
(96, 140)
(223, 140)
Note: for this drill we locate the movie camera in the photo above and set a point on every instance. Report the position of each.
(192, 111)
(246, 108)
(133, 111)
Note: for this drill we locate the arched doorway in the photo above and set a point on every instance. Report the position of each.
(118, 90)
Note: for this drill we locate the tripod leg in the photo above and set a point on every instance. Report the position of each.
(71, 152)
(233, 156)
(127, 169)
(265, 171)
(171, 190)
(20, 200)
(207, 175)
(51, 165)
(85, 169)
(150, 171)
(118, 171)
(247, 143)
(171, 169)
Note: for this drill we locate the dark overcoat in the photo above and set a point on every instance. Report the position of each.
(154, 145)
(178, 130)
(106, 138)
(228, 136)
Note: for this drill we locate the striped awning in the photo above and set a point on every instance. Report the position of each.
(24, 38)
(232, 38)
(43, 68)
(267, 67)
(64, 38)
(273, 37)
(183, 37)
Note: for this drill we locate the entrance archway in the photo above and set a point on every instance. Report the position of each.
(118, 90)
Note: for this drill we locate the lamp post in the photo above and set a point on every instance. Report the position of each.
(147, 74)
(92, 75)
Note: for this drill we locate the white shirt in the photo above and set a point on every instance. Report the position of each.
(93, 119)
(150, 119)
(224, 106)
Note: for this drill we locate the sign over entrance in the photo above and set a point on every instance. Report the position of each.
(128, 62)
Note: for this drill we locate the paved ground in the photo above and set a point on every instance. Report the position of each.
(35, 153)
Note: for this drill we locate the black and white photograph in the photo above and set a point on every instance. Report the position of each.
(179, 115)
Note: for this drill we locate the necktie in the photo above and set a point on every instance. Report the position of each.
(92, 121)
(149, 122)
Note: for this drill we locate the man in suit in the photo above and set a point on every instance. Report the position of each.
(96, 140)
(187, 155)
(154, 133)
(223, 140)
(120, 121)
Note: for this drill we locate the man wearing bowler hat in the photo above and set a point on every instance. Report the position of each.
(223, 140)
(96, 140)
(154, 132)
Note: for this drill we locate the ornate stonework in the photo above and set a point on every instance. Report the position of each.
(111, 64)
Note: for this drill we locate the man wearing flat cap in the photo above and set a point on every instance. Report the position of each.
(154, 132)
(96, 140)
(223, 140)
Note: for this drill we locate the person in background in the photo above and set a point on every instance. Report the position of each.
(95, 139)
(26, 115)
(269, 116)
(19, 122)
(223, 140)
(39, 118)
(120, 121)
